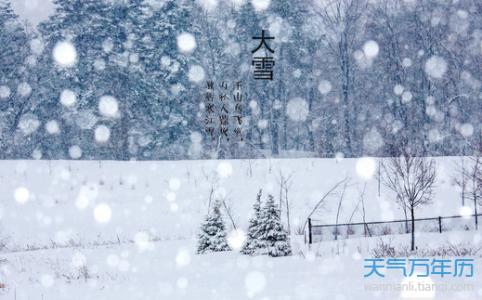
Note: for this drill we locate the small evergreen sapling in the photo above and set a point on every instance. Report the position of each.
(253, 243)
(272, 233)
(212, 237)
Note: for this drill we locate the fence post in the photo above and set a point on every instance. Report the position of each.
(310, 234)
(440, 224)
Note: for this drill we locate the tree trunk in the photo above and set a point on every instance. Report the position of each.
(412, 212)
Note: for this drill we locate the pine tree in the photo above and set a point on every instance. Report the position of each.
(253, 242)
(213, 234)
(272, 233)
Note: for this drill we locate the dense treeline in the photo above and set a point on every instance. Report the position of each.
(351, 77)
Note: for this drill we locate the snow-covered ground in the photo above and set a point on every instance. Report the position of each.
(126, 230)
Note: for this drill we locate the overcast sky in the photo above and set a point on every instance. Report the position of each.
(33, 10)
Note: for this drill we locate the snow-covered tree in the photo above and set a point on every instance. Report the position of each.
(212, 237)
(272, 233)
(253, 241)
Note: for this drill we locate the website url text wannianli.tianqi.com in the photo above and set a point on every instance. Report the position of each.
(419, 287)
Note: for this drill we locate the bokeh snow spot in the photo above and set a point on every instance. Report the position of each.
(186, 43)
(24, 89)
(4, 92)
(196, 74)
(236, 239)
(366, 167)
(108, 106)
(436, 67)
(75, 152)
(28, 124)
(47, 280)
(102, 134)
(225, 169)
(174, 184)
(143, 241)
(324, 87)
(297, 109)
(371, 49)
(255, 282)
(52, 127)
(65, 54)
(466, 212)
(22, 195)
(102, 213)
(68, 98)
(260, 5)
(183, 258)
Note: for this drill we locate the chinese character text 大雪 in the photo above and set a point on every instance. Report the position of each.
(263, 65)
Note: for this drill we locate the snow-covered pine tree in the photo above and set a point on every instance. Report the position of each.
(253, 242)
(272, 233)
(212, 237)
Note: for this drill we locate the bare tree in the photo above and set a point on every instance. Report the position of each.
(285, 184)
(412, 179)
(468, 178)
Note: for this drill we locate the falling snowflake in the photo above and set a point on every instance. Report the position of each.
(366, 167)
(436, 67)
(183, 257)
(24, 89)
(21, 195)
(370, 49)
(68, 98)
(260, 5)
(255, 282)
(297, 109)
(75, 152)
(102, 134)
(65, 54)
(102, 213)
(324, 87)
(52, 127)
(108, 106)
(28, 124)
(186, 43)
(196, 74)
(225, 169)
(236, 239)
(4, 92)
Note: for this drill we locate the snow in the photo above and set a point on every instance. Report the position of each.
(466, 129)
(297, 109)
(186, 43)
(324, 87)
(108, 106)
(236, 239)
(466, 212)
(22, 195)
(260, 5)
(102, 213)
(208, 5)
(37, 46)
(65, 54)
(52, 127)
(28, 124)
(406, 97)
(366, 167)
(75, 152)
(225, 169)
(102, 134)
(68, 98)
(4, 92)
(140, 245)
(255, 283)
(398, 89)
(24, 89)
(174, 184)
(371, 49)
(196, 74)
(436, 67)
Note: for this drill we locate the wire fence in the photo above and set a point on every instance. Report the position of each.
(329, 232)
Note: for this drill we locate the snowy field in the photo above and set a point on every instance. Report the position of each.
(126, 230)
